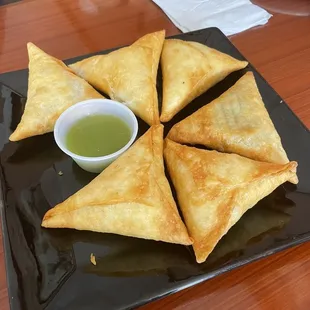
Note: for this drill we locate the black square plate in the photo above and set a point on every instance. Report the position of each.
(51, 269)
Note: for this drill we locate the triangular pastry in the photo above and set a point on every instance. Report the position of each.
(189, 69)
(215, 189)
(236, 122)
(128, 75)
(52, 88)
(131, 197)
(155, 42)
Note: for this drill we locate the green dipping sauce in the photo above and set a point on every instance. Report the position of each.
(97, 135)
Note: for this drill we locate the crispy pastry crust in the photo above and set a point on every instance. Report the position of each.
(131, 197)
(215, 189)
(52, 88)
(128, 75)
(236, 122)
(190, 69)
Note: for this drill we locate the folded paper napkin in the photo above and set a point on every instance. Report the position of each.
(231, 16)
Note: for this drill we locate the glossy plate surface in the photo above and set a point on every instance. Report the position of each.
(51, 269)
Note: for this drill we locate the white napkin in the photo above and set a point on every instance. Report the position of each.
(231, 16)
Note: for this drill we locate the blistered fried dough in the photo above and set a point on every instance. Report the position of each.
(128, 75)
(131, 197)
(236, 122)
(155, 42)
(52, 88)
(215, 189)
(189, 69)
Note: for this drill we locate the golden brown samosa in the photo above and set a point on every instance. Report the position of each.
(189, 69)
(153, 41)
(131, 197)
(236, 122)
(52, 88)
(128, 75)
(215, 189)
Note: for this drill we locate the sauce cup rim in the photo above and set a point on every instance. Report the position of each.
(67, 112)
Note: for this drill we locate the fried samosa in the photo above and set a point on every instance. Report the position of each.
(189, 69)
(155, 42)
(131, 197)
(215, 189)
(52, 88)
(128, 75)
(236, 122)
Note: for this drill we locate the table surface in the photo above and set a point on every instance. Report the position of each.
(279, 50)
